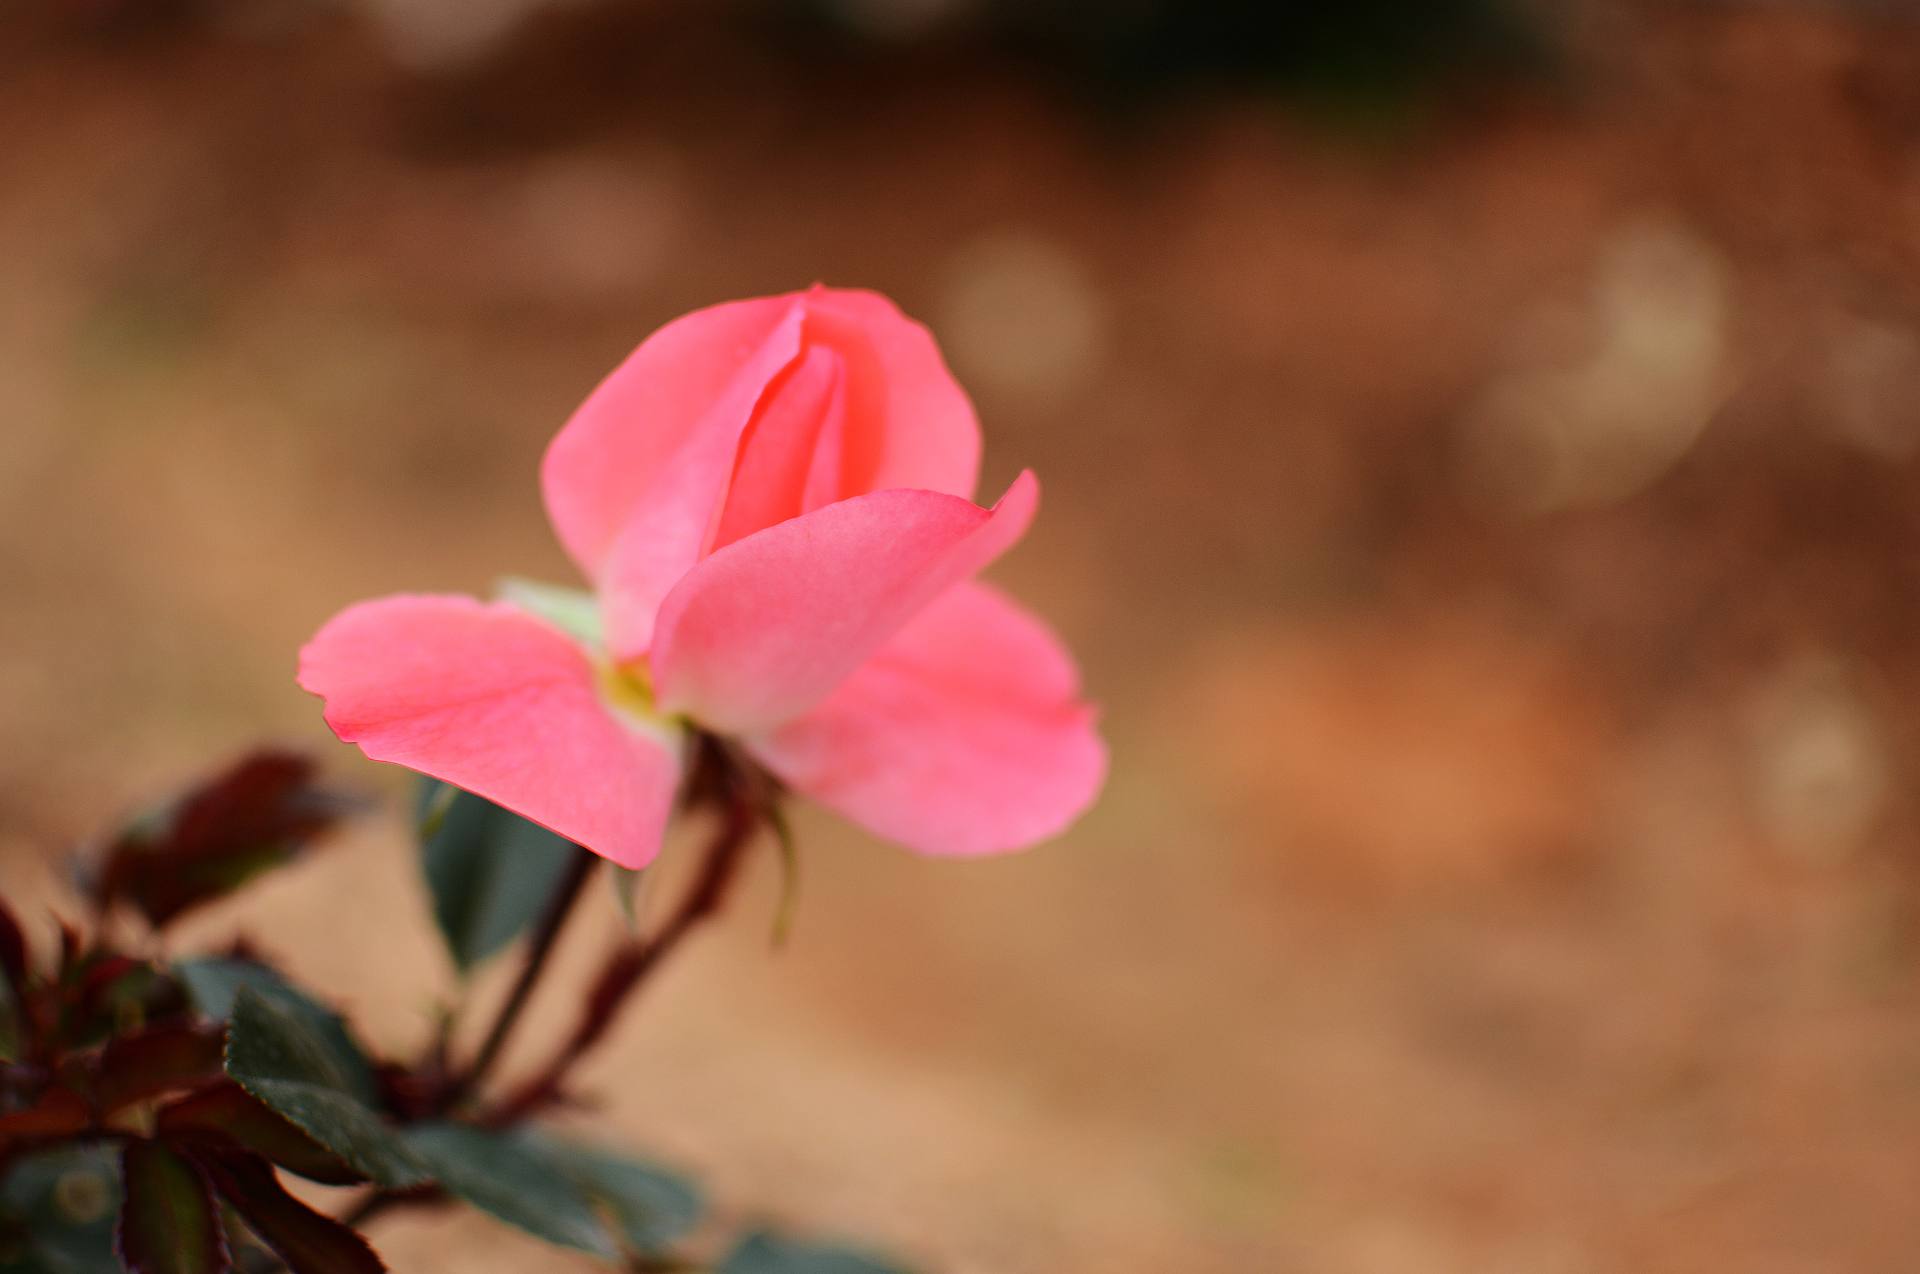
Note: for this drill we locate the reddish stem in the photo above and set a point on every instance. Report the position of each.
(629, 964)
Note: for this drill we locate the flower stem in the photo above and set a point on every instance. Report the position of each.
(539, 949)
(745, 801)
(628, 965)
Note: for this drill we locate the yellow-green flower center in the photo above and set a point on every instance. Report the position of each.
(628, 690)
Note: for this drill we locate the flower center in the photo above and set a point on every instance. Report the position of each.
(627, 690)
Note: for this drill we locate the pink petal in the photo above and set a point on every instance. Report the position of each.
(672, 526)
(965, 734)
(654, 444)
(500, 703)
(799, 420)
(824, 470)
(910, 423)
(768, 626)
(738, 416)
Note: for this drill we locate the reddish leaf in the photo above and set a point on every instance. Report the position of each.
(69, 948)
(102, 991)
(254, 817)
(16, 1020)
(132, 1068)
(13, 951)
(59, 1112)
(169, 1223)
(103, 969)
(102, 978)
(308, 1241)
(226, 1114)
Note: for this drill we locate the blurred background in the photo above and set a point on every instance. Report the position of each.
(1480, 459)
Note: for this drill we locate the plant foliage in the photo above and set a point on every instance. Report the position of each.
(149, 1109)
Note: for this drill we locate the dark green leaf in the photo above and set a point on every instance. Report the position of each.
(281, 1040)
(513, 1176)
(256, 816)
(168, 1221)
(308, 1241)
(227, 1113)
(490, 871)
(347, 1128)
(650, 1207)
(767, 1253)
(57, 1212)
(291, 1062)
(132, 1068)
(214, 984)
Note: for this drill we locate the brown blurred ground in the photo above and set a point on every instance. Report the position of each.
(1496, 547)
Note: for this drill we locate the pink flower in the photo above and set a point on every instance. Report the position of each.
(772, 499)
